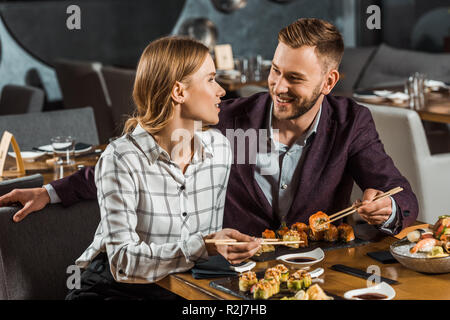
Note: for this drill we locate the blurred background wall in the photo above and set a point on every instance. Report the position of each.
(33, 33)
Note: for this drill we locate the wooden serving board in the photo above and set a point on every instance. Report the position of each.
(230, 285)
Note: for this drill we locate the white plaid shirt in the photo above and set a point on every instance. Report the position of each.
(154, 217)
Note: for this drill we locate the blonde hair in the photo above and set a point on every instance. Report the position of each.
(163, 62)
(315, 33)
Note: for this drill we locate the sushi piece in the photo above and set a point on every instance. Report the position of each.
(292, 235)
(247, 280)
(284, 272)
(274, 286)
(437, 252)
(316, 235)
(261, 290)
(316, 221)
(300, 226)
(315, 292)
(425, 245)
(331, 234)
(346, 233)
(282, 231)
(299, 280)
(272, 273)
(441, 227)
(301, 295)
(268, 234)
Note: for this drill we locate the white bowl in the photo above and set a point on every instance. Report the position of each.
(317, 254)
(381, 288)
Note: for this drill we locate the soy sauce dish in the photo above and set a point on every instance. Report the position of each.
(381, 291)
(302, 260)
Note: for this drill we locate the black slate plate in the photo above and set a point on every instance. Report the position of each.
(281, 250)
(230, 285)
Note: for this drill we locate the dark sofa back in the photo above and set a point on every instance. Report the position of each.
(35, 253)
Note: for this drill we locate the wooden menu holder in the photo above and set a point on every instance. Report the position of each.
(224, 57)
(7, 139)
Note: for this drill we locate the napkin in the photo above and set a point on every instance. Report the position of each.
(215, 267)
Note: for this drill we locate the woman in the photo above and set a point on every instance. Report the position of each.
(161, 186)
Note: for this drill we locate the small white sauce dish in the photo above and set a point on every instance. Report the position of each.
(381, 288)
(28, 156)
(316, 254)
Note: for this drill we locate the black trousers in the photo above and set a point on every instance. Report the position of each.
(97, 283)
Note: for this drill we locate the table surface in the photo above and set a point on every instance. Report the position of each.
(412, 285)
(49, 171)
(437, 107)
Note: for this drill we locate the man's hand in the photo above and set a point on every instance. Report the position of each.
(376, 212)
(233, 253)
(33, 199)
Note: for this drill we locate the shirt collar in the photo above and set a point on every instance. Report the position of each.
(303, 139)
(153, 151)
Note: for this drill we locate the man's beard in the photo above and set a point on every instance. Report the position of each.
(299, 109)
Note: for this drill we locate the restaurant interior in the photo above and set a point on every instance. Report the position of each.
(67, 71)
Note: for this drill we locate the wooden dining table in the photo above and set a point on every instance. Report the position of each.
(46, 166)
(411, 285)
(436, 109)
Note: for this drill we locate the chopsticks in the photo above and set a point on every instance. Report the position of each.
(354, 207)
(264, 242)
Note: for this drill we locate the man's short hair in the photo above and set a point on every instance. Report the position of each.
(315, 33)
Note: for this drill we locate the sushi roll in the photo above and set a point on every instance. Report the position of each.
(247, 280)
(261, 290)
(284, 272)
(299, 280)
(346, 233)
(275, 285)
(300, 226)
(268, 234)
(331, 234)
(272, 273)
(316, 235)
(282, 231)
(316, 221)
(292, 235)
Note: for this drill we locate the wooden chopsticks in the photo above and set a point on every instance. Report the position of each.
(353, 208)
(264, 242)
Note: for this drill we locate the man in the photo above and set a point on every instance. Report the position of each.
(322, 144)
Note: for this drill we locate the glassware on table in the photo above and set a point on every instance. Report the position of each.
(241, 65)
(415, 88)
(255, 65)
(64, 150)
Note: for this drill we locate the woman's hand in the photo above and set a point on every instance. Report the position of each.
(233, 253)
(32, 199)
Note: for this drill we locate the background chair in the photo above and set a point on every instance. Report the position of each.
(21, 99)
(36, 252)
(33, 181)
(403, 136)
(36, 129)
(119, 83)
(82, 85)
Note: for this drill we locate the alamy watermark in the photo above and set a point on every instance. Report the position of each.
(374, 20)
(73, 21)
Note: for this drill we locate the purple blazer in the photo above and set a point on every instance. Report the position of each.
(346, 148)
